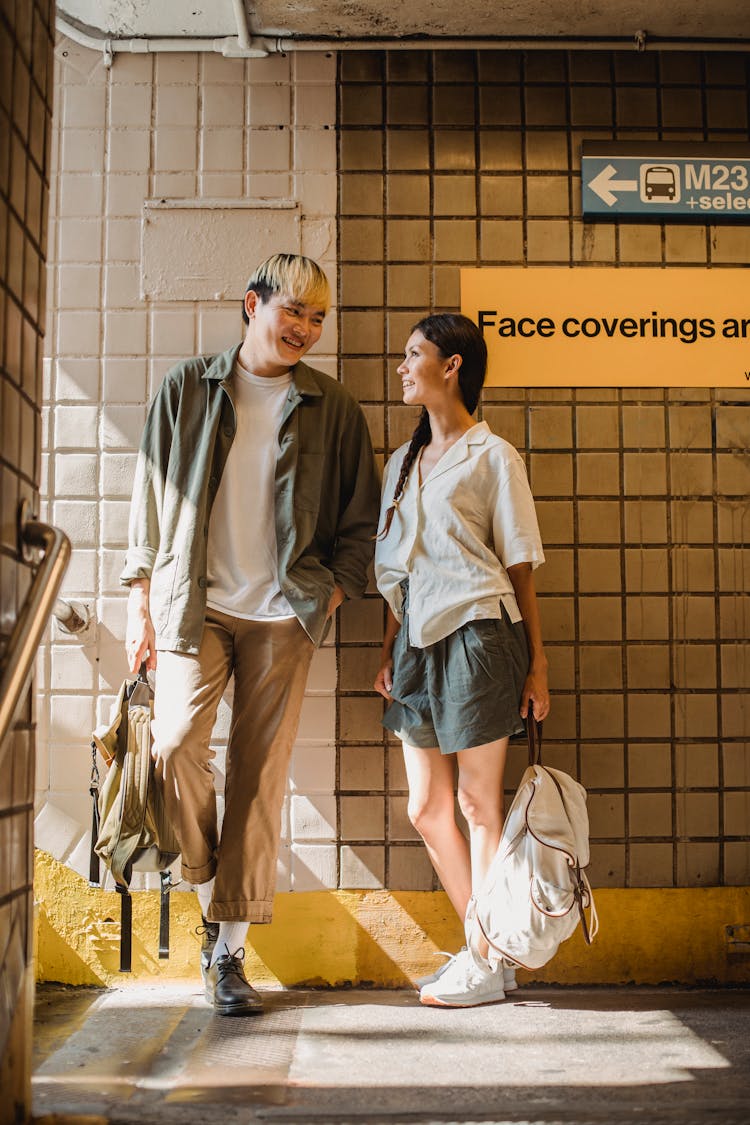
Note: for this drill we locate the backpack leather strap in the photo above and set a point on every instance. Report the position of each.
(534, 736)
(94, 871)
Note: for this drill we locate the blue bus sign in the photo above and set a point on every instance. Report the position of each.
(704, 183)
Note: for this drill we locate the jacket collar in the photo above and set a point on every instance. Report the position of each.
(222, 366)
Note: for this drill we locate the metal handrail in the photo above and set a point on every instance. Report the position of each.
(27, 633)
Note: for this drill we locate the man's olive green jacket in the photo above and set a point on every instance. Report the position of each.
(326, 495)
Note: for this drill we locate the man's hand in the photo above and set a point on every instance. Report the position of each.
(140, 638)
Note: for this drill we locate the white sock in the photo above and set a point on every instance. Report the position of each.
(231, 938)
(204, 892)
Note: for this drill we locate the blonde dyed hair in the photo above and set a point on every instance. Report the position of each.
(300, 278)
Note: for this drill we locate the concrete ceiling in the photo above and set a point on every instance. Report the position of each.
(355, 20)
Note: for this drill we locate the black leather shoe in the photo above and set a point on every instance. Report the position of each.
(227, 988)
(209, 932)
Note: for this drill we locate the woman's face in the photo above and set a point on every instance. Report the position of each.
(425, 372)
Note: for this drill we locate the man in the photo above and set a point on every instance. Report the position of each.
(254, 509)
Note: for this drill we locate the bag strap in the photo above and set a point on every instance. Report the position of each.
(126, 929)
(94, 869)
(166, 883)
(534, 736)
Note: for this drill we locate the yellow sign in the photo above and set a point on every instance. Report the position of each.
(588, 327)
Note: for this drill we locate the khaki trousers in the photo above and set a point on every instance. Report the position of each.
(270, 662)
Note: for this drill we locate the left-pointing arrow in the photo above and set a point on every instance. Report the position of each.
(605, 185)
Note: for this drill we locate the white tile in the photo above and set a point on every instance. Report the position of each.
(81, 196)
(123, 240)
(174, 185)
(316, 192)
(215, 68)
(111, 613)
(125, 332)
(176, 69)
(114, 522)
(130, 106)
(122, 426)
(315, 150)
(315, 66)
(221, 185)
(274, 68)
(269, 105)
(124, 380)
(79, 287)
(175, 150)
(76, 379)
(318, 719)
(55, 830)
(75, 427)
(76, 474)
(222, 106)
(71, 668)
(111, 563)
(79, 520)
(313, 867)
(81, 241)
(112, 669)
(78, 333)
(82, 150)
(322, 677)
(117, 472)
(125, 193)
(313, 818)
(222, 150)
(219, 329)
(122, 285)
(83, 107)
(172, 332)
(315, 105)
(80, 577)
(313, 769)
(176, 105)
(72, 719)
(269, 150)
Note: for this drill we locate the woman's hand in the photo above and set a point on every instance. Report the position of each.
(384, 680)
(536, 693)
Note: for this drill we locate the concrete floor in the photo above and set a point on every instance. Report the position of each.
(156, 1055)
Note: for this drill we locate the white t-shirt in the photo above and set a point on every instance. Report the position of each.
(454, 535)
(243, 576)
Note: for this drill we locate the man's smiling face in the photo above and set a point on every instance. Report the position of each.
(280, 332)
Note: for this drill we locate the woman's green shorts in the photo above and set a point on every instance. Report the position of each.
(462, 691)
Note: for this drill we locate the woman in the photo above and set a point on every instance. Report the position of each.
(462, 659)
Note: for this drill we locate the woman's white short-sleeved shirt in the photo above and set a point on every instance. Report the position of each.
(455, 535)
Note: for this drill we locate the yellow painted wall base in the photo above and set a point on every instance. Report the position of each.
(383, 938)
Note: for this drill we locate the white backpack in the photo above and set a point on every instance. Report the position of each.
(536, 893)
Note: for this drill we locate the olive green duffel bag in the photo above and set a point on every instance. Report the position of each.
(130, 830)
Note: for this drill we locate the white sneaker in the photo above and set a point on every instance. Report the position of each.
(510, 984)
(463, 984)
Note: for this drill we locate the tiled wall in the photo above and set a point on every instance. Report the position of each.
(25, 117)
(451, 159)
(190, 127)
(446, 159)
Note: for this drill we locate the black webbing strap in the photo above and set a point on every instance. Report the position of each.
(534, 736)
(166, 883)
(94, 878)
(126, 929)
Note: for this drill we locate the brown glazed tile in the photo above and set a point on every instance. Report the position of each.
(651, 865)
(607, 866)
(599, 570)
(408, 150)
(650, 766)
(500, 151)
(697, 864)
(601, 668)
(648, 666)
(362, 767)
(648, 715)
(602, 766)
(650, 814)
(697, 767)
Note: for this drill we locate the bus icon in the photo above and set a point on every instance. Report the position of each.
(660, 183)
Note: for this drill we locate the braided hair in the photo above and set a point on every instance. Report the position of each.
(452, 334)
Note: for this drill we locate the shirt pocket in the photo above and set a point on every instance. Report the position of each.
(307, 485)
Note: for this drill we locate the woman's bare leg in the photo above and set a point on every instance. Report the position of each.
(431, 780)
